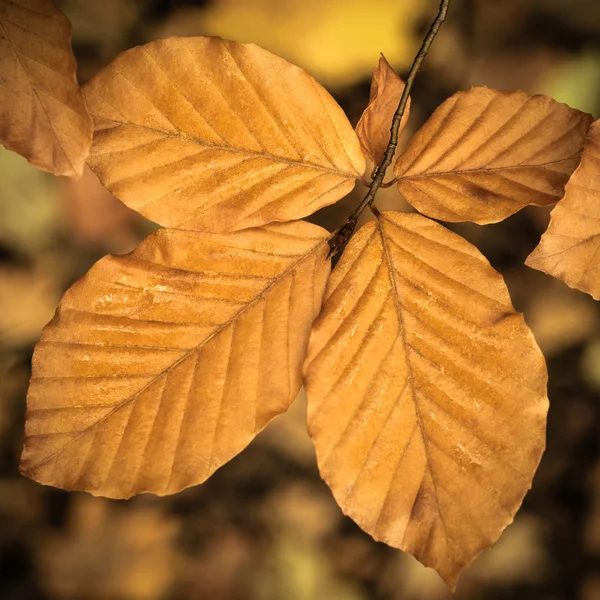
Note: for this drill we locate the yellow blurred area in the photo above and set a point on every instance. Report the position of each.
(337, 41)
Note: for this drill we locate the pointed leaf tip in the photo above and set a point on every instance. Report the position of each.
(373, 128)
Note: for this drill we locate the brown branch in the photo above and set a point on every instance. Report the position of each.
(340, 239)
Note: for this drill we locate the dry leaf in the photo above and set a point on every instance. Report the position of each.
(206, 134)
(485, 154)
(373, 128)
(426, 392)
(162, 365)
(42, 115)
(570, 248)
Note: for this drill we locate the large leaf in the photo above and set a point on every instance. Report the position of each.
(163, 364)
(42, 115)
(570, 248)
(206, 134)
(484, 154)
(426, 392)
(373, 128)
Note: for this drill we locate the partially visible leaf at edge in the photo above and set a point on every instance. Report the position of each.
(206, 134)
(486, 154)
(373, 128)
(42, 114)
(570, 247)
(426, 392)
(163, 364)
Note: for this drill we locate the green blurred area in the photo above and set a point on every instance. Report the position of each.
(265, 527)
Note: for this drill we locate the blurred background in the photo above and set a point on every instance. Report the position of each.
(265, 527)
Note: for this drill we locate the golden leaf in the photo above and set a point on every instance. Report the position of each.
(570, 247)
(485, 154)
(206, 134)
(42, 115)
(426, 392)
(373, 128)
(163, 364)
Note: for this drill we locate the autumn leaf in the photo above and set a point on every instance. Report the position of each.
(163, 364)
(42, 114)
(485, 154)
(426, 392)
(373, 128)
(206, 134)
(570, 248)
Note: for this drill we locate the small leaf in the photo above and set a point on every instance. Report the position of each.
(42, 114)
(373, 128)
(205, 134)
(162, 365)
(485, 154)
(570, 248)
(426, 392)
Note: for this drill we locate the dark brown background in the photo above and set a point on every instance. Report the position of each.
(265, 527)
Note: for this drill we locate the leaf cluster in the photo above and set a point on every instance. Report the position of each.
(426, 390)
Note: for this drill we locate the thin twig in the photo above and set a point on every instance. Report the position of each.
(344, 233)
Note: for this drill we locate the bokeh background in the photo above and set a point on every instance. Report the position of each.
(265, 527)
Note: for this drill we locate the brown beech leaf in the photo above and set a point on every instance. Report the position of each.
(426, 392)
(163, 364)
(485, 154)
(373, 128)
(205, 134)
(570, 248)
(42, 114)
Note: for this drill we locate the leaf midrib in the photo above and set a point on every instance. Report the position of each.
(231, 149)
(483, 169)
(410, 376)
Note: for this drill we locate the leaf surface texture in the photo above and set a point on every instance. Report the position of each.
(42, 114)
(426, 392)
(570, 248)
(205, 134)
(486, 154)
(163, 364)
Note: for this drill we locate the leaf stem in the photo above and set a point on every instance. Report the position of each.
(390, 183)
(343, 235)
